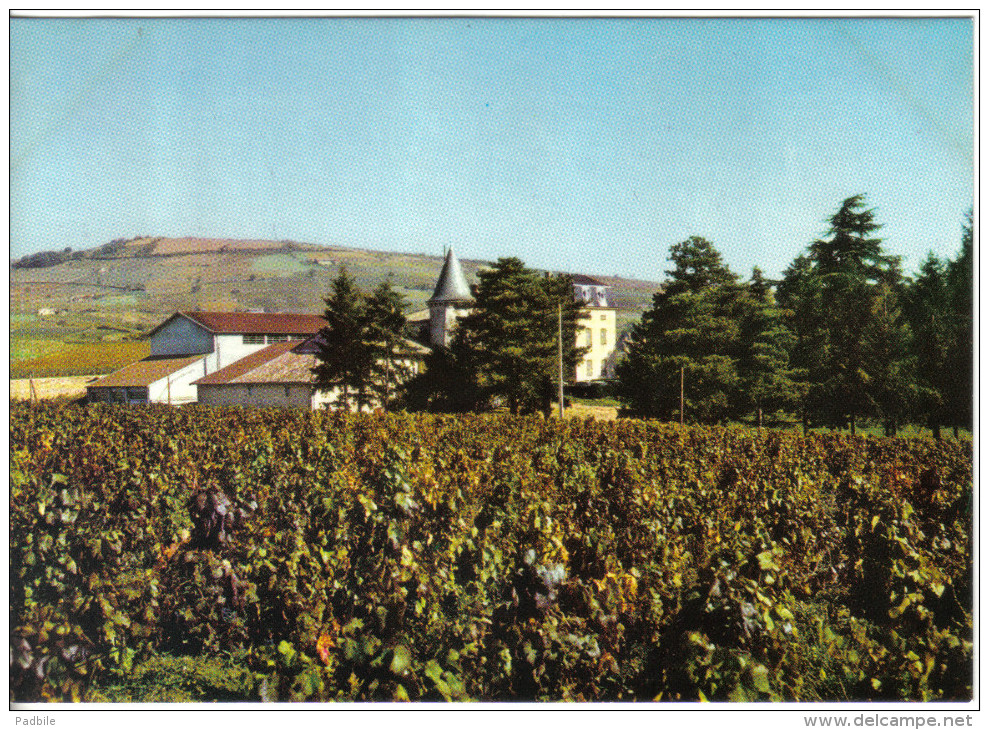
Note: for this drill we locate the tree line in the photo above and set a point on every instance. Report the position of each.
(504, 353)
(843, 337)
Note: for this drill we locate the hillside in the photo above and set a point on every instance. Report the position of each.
(119, 291)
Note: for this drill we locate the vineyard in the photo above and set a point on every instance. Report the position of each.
(203, 554)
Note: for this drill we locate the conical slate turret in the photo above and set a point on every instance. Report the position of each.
(451, 300)
(452, 284)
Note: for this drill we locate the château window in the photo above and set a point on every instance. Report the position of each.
(590, 368)
(253, 339)
(272, 339)
(604, 337)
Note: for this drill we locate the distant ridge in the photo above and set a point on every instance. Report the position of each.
(126, 287)
(121, 290)
(172, 246)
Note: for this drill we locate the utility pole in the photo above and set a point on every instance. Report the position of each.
(681, 395)
(559, 328)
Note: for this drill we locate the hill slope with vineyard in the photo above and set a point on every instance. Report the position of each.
(115, 293)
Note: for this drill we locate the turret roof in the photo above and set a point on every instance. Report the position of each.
(452, 284)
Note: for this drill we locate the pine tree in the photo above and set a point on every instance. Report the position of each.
(767, 381)
(338, 364)
(388, 354)
(850, 263)
(693, 326)
(888, 367)
(697, 265)
(850, 253)
(511, 333)
(927, 308)
(448, 382)
(961, 358)
(801, 302)
(361, 350)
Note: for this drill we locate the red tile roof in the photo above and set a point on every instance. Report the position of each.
(144, 372)
(252, 323)
(285, 362)
(257, 323)
(274, 364)
(409, 348)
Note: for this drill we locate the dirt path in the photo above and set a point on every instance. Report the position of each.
(73, 387)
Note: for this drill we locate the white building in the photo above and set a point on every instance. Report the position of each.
(275, 376)
(598, 331)
(151, 380)
(280, 376)
(190, 345)
(226, 337)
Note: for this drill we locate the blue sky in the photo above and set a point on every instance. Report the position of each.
(587, 145)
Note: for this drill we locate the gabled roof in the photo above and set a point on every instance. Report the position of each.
(252, 323)
(452, 285)
(281, 364)
(274, 364)
(144, 372)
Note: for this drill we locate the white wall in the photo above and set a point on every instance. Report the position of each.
(442, 322)
(182, 336)
(228, 349)
(324, 398)
(177, 387)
